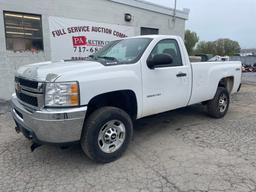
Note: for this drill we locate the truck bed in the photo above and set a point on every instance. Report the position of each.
(206, 76)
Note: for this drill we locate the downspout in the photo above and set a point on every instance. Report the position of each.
(174, 11)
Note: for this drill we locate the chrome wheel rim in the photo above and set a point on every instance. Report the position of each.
(223, 103)
(111, 136)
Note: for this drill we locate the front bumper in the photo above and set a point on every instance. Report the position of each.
(56, 126)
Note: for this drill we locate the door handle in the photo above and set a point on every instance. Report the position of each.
(181, 74)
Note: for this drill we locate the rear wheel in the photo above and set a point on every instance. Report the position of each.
(218, 106)
(106, 134)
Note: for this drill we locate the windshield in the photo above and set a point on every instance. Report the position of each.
(123, 51)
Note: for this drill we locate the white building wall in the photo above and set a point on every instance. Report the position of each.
(104, 11)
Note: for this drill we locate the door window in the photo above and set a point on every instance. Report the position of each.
(170, 47)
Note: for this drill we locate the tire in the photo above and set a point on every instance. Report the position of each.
(218, 106)
(102, 127)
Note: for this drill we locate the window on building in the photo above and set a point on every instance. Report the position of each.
(149, 31)
(23, 31)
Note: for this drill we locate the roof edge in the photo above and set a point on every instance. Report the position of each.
(141, 4)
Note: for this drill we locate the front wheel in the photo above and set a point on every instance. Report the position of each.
(218, 106)
(106, 134)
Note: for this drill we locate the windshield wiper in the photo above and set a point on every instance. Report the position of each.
(92, 57)
(108, 58)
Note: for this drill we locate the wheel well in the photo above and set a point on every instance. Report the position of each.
(125, 99)
(227, 82)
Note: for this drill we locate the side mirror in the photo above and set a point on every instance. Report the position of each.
(159, 60)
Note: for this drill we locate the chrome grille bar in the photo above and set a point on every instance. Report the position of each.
(29, 92)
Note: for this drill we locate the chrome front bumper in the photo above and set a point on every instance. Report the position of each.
(49, 125)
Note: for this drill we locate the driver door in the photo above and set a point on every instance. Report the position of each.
(165, 87)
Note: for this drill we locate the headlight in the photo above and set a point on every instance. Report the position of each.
(64, 94)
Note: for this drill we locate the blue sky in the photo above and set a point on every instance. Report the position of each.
(213, 19)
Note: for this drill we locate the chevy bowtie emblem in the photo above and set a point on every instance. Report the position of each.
(18, 87)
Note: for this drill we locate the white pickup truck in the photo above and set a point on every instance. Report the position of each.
(96, 101)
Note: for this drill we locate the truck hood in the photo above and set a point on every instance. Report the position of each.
(50, 71)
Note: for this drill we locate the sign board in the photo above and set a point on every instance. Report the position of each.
(77, 39)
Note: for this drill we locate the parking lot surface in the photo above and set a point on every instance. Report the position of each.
(249, 78)
(180, 151)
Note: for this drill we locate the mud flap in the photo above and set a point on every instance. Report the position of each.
(239, 88)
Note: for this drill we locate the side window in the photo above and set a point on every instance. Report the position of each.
(170, 47)
(23, 31)
(149, 31)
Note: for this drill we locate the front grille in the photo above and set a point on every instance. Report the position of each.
(30, 92)
(27, 99)
(27, 83)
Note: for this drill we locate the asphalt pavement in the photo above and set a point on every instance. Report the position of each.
(180, 151)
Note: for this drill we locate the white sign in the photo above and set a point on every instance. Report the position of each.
(77, 39)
